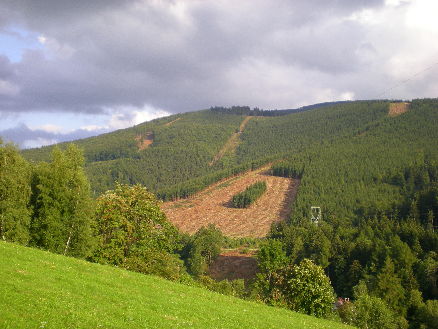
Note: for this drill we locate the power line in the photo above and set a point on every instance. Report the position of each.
(406, 80)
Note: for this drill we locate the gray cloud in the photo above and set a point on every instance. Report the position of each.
(188, 55)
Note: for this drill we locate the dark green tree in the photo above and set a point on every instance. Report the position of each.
(389, 287)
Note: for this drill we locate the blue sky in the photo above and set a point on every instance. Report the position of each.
(13, 41)
(71, 70)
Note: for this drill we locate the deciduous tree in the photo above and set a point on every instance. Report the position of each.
(303, 288)
(14, 195)
(62, 212)
(131, 231)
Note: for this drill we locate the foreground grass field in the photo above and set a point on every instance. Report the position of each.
(43, 290)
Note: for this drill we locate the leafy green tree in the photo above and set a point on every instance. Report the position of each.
(372, 312)
(131, 231)
(204, 249)
(303, 288)
(271, 257)
(62, 211)
(15, 176)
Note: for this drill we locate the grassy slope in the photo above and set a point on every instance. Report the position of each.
(44, 290)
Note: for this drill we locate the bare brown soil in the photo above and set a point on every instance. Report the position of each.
(396, 109)
(169, 123)
(231, 143)
(215, 205)
(143, 143)
(232, 265)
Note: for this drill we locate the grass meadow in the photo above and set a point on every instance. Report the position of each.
(44, 290)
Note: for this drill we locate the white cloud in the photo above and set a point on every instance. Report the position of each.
(48, 128)
(347, 96)
(129, 116)
(55, 49)
(423, 15)
(146, 115)
(38, 142)
(91, 128)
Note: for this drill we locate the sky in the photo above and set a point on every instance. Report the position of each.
(75, 69)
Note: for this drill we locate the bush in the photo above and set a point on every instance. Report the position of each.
(303, 288)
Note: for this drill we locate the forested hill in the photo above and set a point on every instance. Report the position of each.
(171, 150)
(173, 156)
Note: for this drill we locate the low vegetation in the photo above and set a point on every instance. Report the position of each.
(46, 290)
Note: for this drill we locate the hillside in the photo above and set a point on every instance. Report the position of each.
(214, 205)
(344, 152)
(185, 149)
(371, 168)
(44, 290)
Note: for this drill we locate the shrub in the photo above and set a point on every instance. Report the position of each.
(303, 288)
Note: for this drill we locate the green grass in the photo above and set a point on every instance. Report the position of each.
(43, 290)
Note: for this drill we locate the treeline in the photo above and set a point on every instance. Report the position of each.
(247, 197)
(246, 110)
(194, 186)
(302, 131)
(288, 169)
(119, 144)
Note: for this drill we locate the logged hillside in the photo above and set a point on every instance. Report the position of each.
(215, 205)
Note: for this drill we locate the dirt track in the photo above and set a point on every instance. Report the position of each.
(214, 205)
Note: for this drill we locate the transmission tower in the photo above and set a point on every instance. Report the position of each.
(315, 215)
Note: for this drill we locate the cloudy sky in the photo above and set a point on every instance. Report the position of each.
(72, 69)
